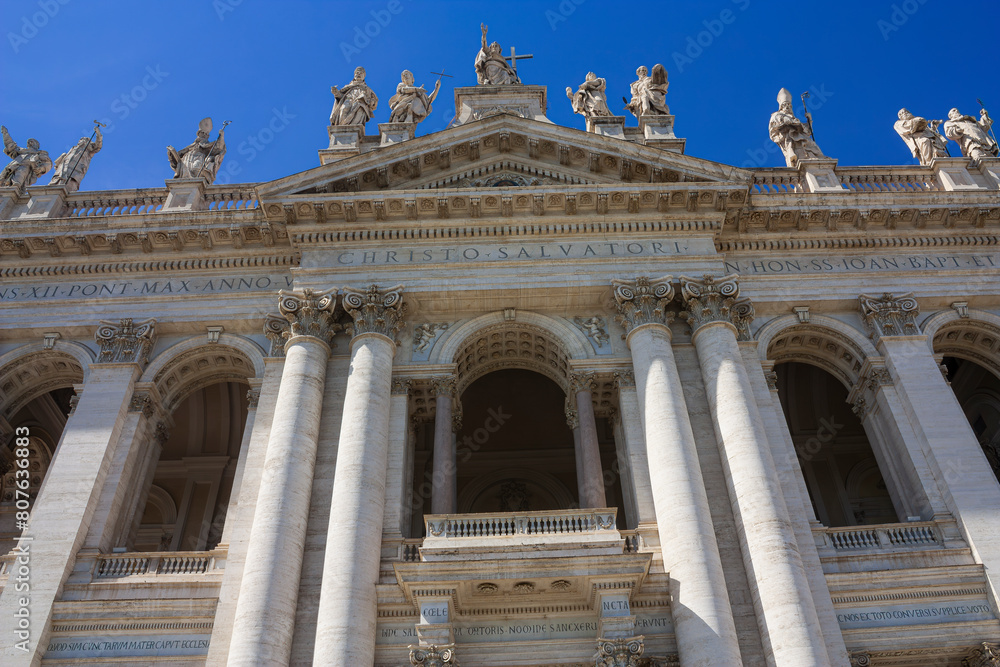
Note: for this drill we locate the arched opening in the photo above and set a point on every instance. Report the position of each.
(842, 475)
(978, 392)
(515, 451)
(44, 417)
(192, 483)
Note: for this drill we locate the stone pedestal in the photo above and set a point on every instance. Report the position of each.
(953, 173)
(394, 133)
(607, 126)
(10, 197)
(703, 618)
(989, 167)
(818, 175)
(345, 142)
(658, 132)
(478, 102)
(184, 194)
(45, 201)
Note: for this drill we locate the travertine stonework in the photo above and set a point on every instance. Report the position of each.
(509, 393)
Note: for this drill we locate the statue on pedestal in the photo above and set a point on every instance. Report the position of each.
(27, 163)
(355, 103)
(649, 93)
(492, 69)
(202, 158)
(411, 104)
(590, 99)
(72, 166)
(971, 135)
(791, 135)
(921, 136)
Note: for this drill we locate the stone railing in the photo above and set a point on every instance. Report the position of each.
(241, 197)
(114, 202)
(882, 537)
(776, 181)
(889, 179)
(409, 550)
(110, 566)
(507, 524)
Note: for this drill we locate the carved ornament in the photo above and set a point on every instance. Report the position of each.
(126, 341)
(619, 652)
(642, 301)
(374, 310)
(309, 313)
(714, 299)
(889, 315)
(433, 656)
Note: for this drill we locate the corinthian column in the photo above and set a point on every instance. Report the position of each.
(703, 619)
(265, 609)
(345, 628)
(785, 610)
(445, 468)
(591, 482)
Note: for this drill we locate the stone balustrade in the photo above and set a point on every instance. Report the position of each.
(882, 537)
(107, 566)
(776, 181)
(889, 179)
(104, 203)
(505, 524)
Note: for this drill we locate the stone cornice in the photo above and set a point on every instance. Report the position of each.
(279, 261)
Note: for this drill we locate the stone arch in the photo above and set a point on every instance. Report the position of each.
(975, 338)
(195, 363)
(530, 341)
(824, 342)
(163, 503)
(30, 371)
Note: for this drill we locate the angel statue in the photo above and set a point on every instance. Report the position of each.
(355, 103)
(791, 135)
(202, 158)
(970, 134)
(492, 68)
(72, 166)
(590, 99)
(649, 93)
(26, 165)
(411, 104)
(921, 136)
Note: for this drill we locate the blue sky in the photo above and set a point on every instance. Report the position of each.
(153, 69)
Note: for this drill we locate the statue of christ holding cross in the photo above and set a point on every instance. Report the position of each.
(492, 68)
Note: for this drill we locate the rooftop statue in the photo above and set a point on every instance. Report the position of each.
(492, 69)
(921, 136)
(72, 166)
(355, 103)
(411, 104)
(649, 93)
(791, 135)
(202, 158)
(26, 165)
(971, 135)
(590, 99)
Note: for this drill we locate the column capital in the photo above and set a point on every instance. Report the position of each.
(642, 301)
(443, 386)
(624, 378)
(275, 329)
(309, 313)
(619, 652)
(126, 341)
(712, 299)
(401, 387)
(986, 654)
(582, 381)
(889, 315)
(374, 310)
(433, 656)
(253, 397)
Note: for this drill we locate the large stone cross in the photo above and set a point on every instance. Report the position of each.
(514, 58)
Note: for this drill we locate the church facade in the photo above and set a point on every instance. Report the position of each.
(510, 393)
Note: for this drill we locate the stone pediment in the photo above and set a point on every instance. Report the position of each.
(503, 151)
